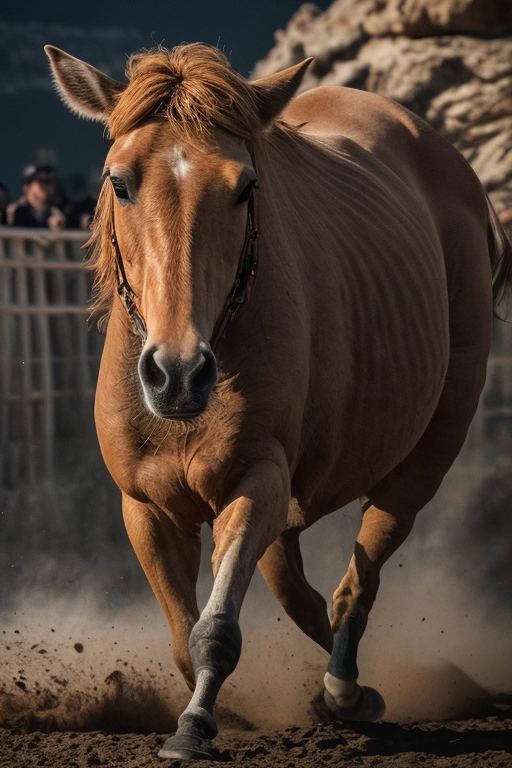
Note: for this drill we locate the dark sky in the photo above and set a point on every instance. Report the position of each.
(243, 28)
(34, 121)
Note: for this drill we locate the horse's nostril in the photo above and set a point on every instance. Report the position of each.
(204, 376)
(174, 387)
(152, 373)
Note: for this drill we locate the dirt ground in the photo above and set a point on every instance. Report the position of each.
(81, 702)
(86, 690)
(65, 714)
(460, 744)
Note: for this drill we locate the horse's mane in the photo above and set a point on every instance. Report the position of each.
(191, 85)
(101, 259)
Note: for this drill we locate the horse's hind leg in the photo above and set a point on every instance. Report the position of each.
(409, 486)
(380, 535)
(282, 569)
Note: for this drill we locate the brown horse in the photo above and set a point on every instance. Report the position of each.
(354, 370)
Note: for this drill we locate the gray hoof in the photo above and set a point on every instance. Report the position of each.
(368, 707)
(192, 740)
(177, 748)
(187, 749)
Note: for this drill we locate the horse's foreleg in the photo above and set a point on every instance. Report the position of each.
(282, 569)
(255, 516)
(170, 558)
(380, 535)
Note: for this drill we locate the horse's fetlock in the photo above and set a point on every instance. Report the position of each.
(344, 692)
(199, 721)
(216, 642)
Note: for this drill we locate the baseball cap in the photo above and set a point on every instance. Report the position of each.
(39, 173)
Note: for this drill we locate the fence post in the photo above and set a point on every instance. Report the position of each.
(42, 327)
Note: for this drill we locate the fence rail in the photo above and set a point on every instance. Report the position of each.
(49, 358)
(13, 309)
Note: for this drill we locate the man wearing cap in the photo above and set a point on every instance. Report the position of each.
(34, 208)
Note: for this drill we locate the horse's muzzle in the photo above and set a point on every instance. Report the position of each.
(175, 388)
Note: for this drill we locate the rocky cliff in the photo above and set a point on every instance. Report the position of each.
(449, 61)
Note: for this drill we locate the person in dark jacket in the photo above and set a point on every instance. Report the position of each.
(80, 209)
(34, 208)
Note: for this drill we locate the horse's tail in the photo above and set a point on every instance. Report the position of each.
(500, 253)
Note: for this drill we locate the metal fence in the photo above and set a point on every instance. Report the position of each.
(49, 360)
(48, 356)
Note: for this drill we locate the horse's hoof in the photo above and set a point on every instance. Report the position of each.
(185, 748)
(369, 706)
(192, 740)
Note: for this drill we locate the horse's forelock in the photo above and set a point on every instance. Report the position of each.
(193, 86)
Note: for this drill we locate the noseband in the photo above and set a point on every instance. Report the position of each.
(237, 297)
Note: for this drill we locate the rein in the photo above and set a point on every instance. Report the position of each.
(237, 297)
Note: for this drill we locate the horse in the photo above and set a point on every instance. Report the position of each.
(306, 290)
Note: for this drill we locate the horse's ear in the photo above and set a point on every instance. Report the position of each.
(84, 89)
(275, 91)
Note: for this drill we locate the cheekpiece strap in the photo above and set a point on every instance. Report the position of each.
(124, 289)
(245, 276)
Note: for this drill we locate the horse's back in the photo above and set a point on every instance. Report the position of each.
(444, 332)
(407, 145)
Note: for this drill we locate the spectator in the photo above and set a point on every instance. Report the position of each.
(34, 208)
(80, 210)
(79, 215)
(4, 200)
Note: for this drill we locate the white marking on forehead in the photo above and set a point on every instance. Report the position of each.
(125, 141)
(179, 163)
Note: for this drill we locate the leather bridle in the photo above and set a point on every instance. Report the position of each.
(237, 297)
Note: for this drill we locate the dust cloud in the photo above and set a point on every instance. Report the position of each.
(429, 648)
(67, 667)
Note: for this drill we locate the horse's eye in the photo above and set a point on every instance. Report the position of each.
(246, 191)
(120, 188)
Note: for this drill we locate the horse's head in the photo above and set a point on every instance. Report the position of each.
(172, 219)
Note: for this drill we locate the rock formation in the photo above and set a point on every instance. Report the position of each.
(449, 61)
